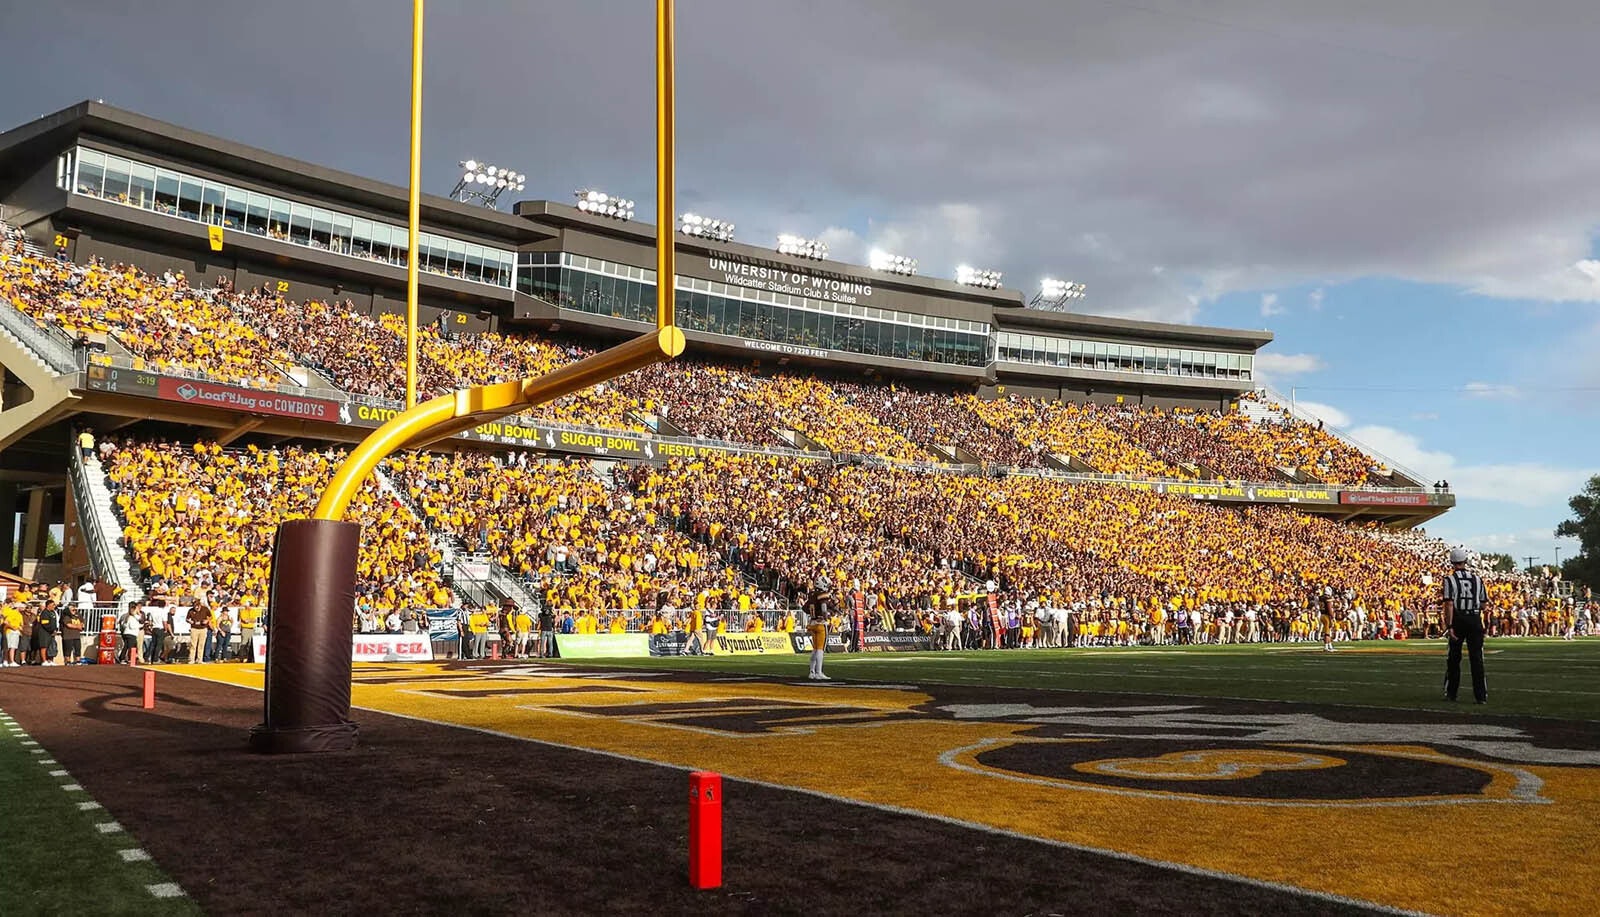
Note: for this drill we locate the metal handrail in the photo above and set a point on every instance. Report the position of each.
(99, 545)
(55, 352)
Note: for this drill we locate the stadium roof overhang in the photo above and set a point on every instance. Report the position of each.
(562, 216)
(1040, 321)
(1098, 380)
(49, 135)
(88, 213)
(538, 313)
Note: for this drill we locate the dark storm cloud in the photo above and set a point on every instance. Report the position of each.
(1163, 152)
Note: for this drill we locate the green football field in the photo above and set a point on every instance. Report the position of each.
(1531, 676)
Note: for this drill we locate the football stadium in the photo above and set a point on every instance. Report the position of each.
(876, 592)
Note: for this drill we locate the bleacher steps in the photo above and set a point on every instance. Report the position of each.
(49, 395)
(799, 440)
(441, 542)
(661, 426)
(1063, 461)
(101, 529)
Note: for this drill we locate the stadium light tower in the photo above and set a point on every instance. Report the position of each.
(693, 224)
(602, 204)
(880, 260)
(815, 249)
(485, 183)
(975, 277)
(1056, 294)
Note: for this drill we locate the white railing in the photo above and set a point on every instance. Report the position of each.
(100, 543)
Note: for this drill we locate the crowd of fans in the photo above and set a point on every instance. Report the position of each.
(252, 336)
(365, 355)
(1076, 430)
(199, 522)
(162, 322)
(1287, 442)
(579, 542)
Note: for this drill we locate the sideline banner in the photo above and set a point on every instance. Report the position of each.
(802, 642)
(896, 643)
(374, 648)
(1370, 498)
(750, 644)
(670, 644)
(442, 625)
(601, 646)
(873, 643)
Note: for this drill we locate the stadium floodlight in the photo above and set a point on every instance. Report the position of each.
(485, 183)
(815, 249)
(975, 277)
(1055, 294)
(693, 224)
(602, 204)
(880, 260)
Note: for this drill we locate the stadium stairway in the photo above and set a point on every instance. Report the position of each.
(100, 527)
(658, 425)
(45, 369)
(1063, 461)
(798, 440)
(476, 577)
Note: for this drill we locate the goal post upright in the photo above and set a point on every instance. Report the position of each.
(313, 582)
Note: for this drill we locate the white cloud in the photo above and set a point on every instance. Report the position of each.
(1491, 390)
(1327, 413)
(1269, 304)
(1521, 483)
(1274, 365)
(1425, 415)
(1537, 543)
(1314, 299)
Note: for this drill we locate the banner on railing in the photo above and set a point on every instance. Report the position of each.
(602, 646)
(668, 644)
(750, 644)
(1379, 498)
(250, 401)
(442, 624)
(375, 648)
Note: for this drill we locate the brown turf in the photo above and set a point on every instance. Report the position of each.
(424, 818)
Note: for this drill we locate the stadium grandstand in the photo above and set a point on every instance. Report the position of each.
(193, 331)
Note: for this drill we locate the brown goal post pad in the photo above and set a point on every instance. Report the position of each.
(308, 639)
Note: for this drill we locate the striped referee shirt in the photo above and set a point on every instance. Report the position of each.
(1465, 590)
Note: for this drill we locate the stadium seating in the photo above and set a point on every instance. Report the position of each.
(1076, 430)
(734, 531)
(197, 516)
(251, 336)
(161, 321)
(558, 524)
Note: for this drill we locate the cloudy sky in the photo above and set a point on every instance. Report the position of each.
(1406, 191)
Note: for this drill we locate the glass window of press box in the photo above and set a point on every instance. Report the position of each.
(1129, 358)
(622, 291)
(176, 194)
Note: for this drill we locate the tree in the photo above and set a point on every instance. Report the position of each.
(1584, 526)
(1499, 563)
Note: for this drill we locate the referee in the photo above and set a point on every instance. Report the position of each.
(1464, 600)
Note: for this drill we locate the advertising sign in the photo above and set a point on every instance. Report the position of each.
(896, 643)
(253, 401)
(375, 648)
(602, 646)
(1372, 498)
(668, 644)
(750, 644)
